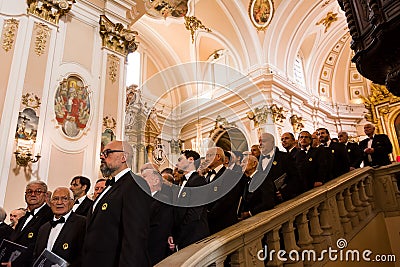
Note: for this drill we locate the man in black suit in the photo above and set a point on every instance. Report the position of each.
(80, 186)
(5, 229)
(15, 215)
(225, 190)
(161, 219)
(335, 155)
(262, 198)
(310, 163)
(230, 162)
(353, 150)
(278, 168)
(63, 235)
(118, 224)
(190, 216)
(289, 144)
(38, 213)
(376, 147)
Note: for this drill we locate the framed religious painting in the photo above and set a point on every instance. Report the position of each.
(261, 13)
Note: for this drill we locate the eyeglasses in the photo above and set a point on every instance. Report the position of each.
(106, 152)
(63, 199)
(34, 192)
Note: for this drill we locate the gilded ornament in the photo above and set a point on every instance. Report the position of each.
(109, 122)
(65, 246)
(328, 20)
(278, 113)
(193, 24)
(31, 101)
(49, 10)
(116, 38)
(42, 33)
(9, 30)
(297, 123)
(113, 67)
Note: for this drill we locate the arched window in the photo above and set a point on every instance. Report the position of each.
(299, 71)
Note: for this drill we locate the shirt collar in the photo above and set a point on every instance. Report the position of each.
(66, 216)
(218, 168)
(187, 175)
(121, 173)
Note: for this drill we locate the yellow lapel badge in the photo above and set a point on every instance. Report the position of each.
(333, 151)
(215, 188)
(104, 207)
(274, 162)
(349, 150)
(310, 159)
(30, 235)
(65, 246)
(184, 194)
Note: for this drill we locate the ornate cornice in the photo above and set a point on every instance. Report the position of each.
(49, 10)
(116, 38)
(9, 30)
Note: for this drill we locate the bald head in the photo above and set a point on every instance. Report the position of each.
(214, 157)
(267, 143)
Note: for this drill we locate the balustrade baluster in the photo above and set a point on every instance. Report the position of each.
(355, 198)
(316, 232)
(305, 240)
(344, 215)
(370, 192)
(290, 243)
(350, 208)
(325, 221)
(273, 243)
(364, 198)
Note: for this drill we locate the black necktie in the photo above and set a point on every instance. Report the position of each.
(54, 223)
(209, 173)
(76, 202)
(110, 182)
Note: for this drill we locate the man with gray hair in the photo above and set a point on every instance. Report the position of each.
(38, 213)
(5, 229)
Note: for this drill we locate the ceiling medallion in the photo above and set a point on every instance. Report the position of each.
(328, 20)
(193, 24)
(261, 13)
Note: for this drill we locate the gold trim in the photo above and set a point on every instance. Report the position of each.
(297, 123)
(328, 20)
(49, 10)
(261, 13)
(193, 24)
(116, 38)
(42, 33)
(9, 29)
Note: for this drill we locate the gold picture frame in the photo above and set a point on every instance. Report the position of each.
(261, 13)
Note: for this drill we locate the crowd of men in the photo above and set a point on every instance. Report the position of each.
(138, 220)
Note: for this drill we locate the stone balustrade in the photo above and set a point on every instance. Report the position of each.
(313, 221)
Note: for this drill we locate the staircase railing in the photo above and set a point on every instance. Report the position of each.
(313, 221)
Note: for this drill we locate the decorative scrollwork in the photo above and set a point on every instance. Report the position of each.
(297, 123)
(113, 67)
(9, 30)
(278, 113)
(109, 122)
(116, 38)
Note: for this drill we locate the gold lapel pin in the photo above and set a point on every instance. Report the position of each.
(184, 194)
(30, 235)
(104, 207)
(215, 188)
(349, 150)
(310, 159)
(274, 162)
(65, 246)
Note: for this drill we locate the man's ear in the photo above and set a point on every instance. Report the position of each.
(123, 158)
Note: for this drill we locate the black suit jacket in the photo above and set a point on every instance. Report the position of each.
(27, 236)
(337, 159)
(262, 199)
(84, 207)
(227, 189)
(281, 164)
(118, 228)
(190, 222)
(355, 154)
(382, 148)
(5, 231)
(161, 222)
(311, 167)
(69, 242)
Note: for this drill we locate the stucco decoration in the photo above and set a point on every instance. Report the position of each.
(49, 10)
(42, 34)
(9, 33)
(72, 106)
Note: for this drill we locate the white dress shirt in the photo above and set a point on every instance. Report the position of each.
(55, 231)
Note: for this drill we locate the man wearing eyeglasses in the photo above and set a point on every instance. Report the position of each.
(118, 223)
(64, 234)
(38, 213)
